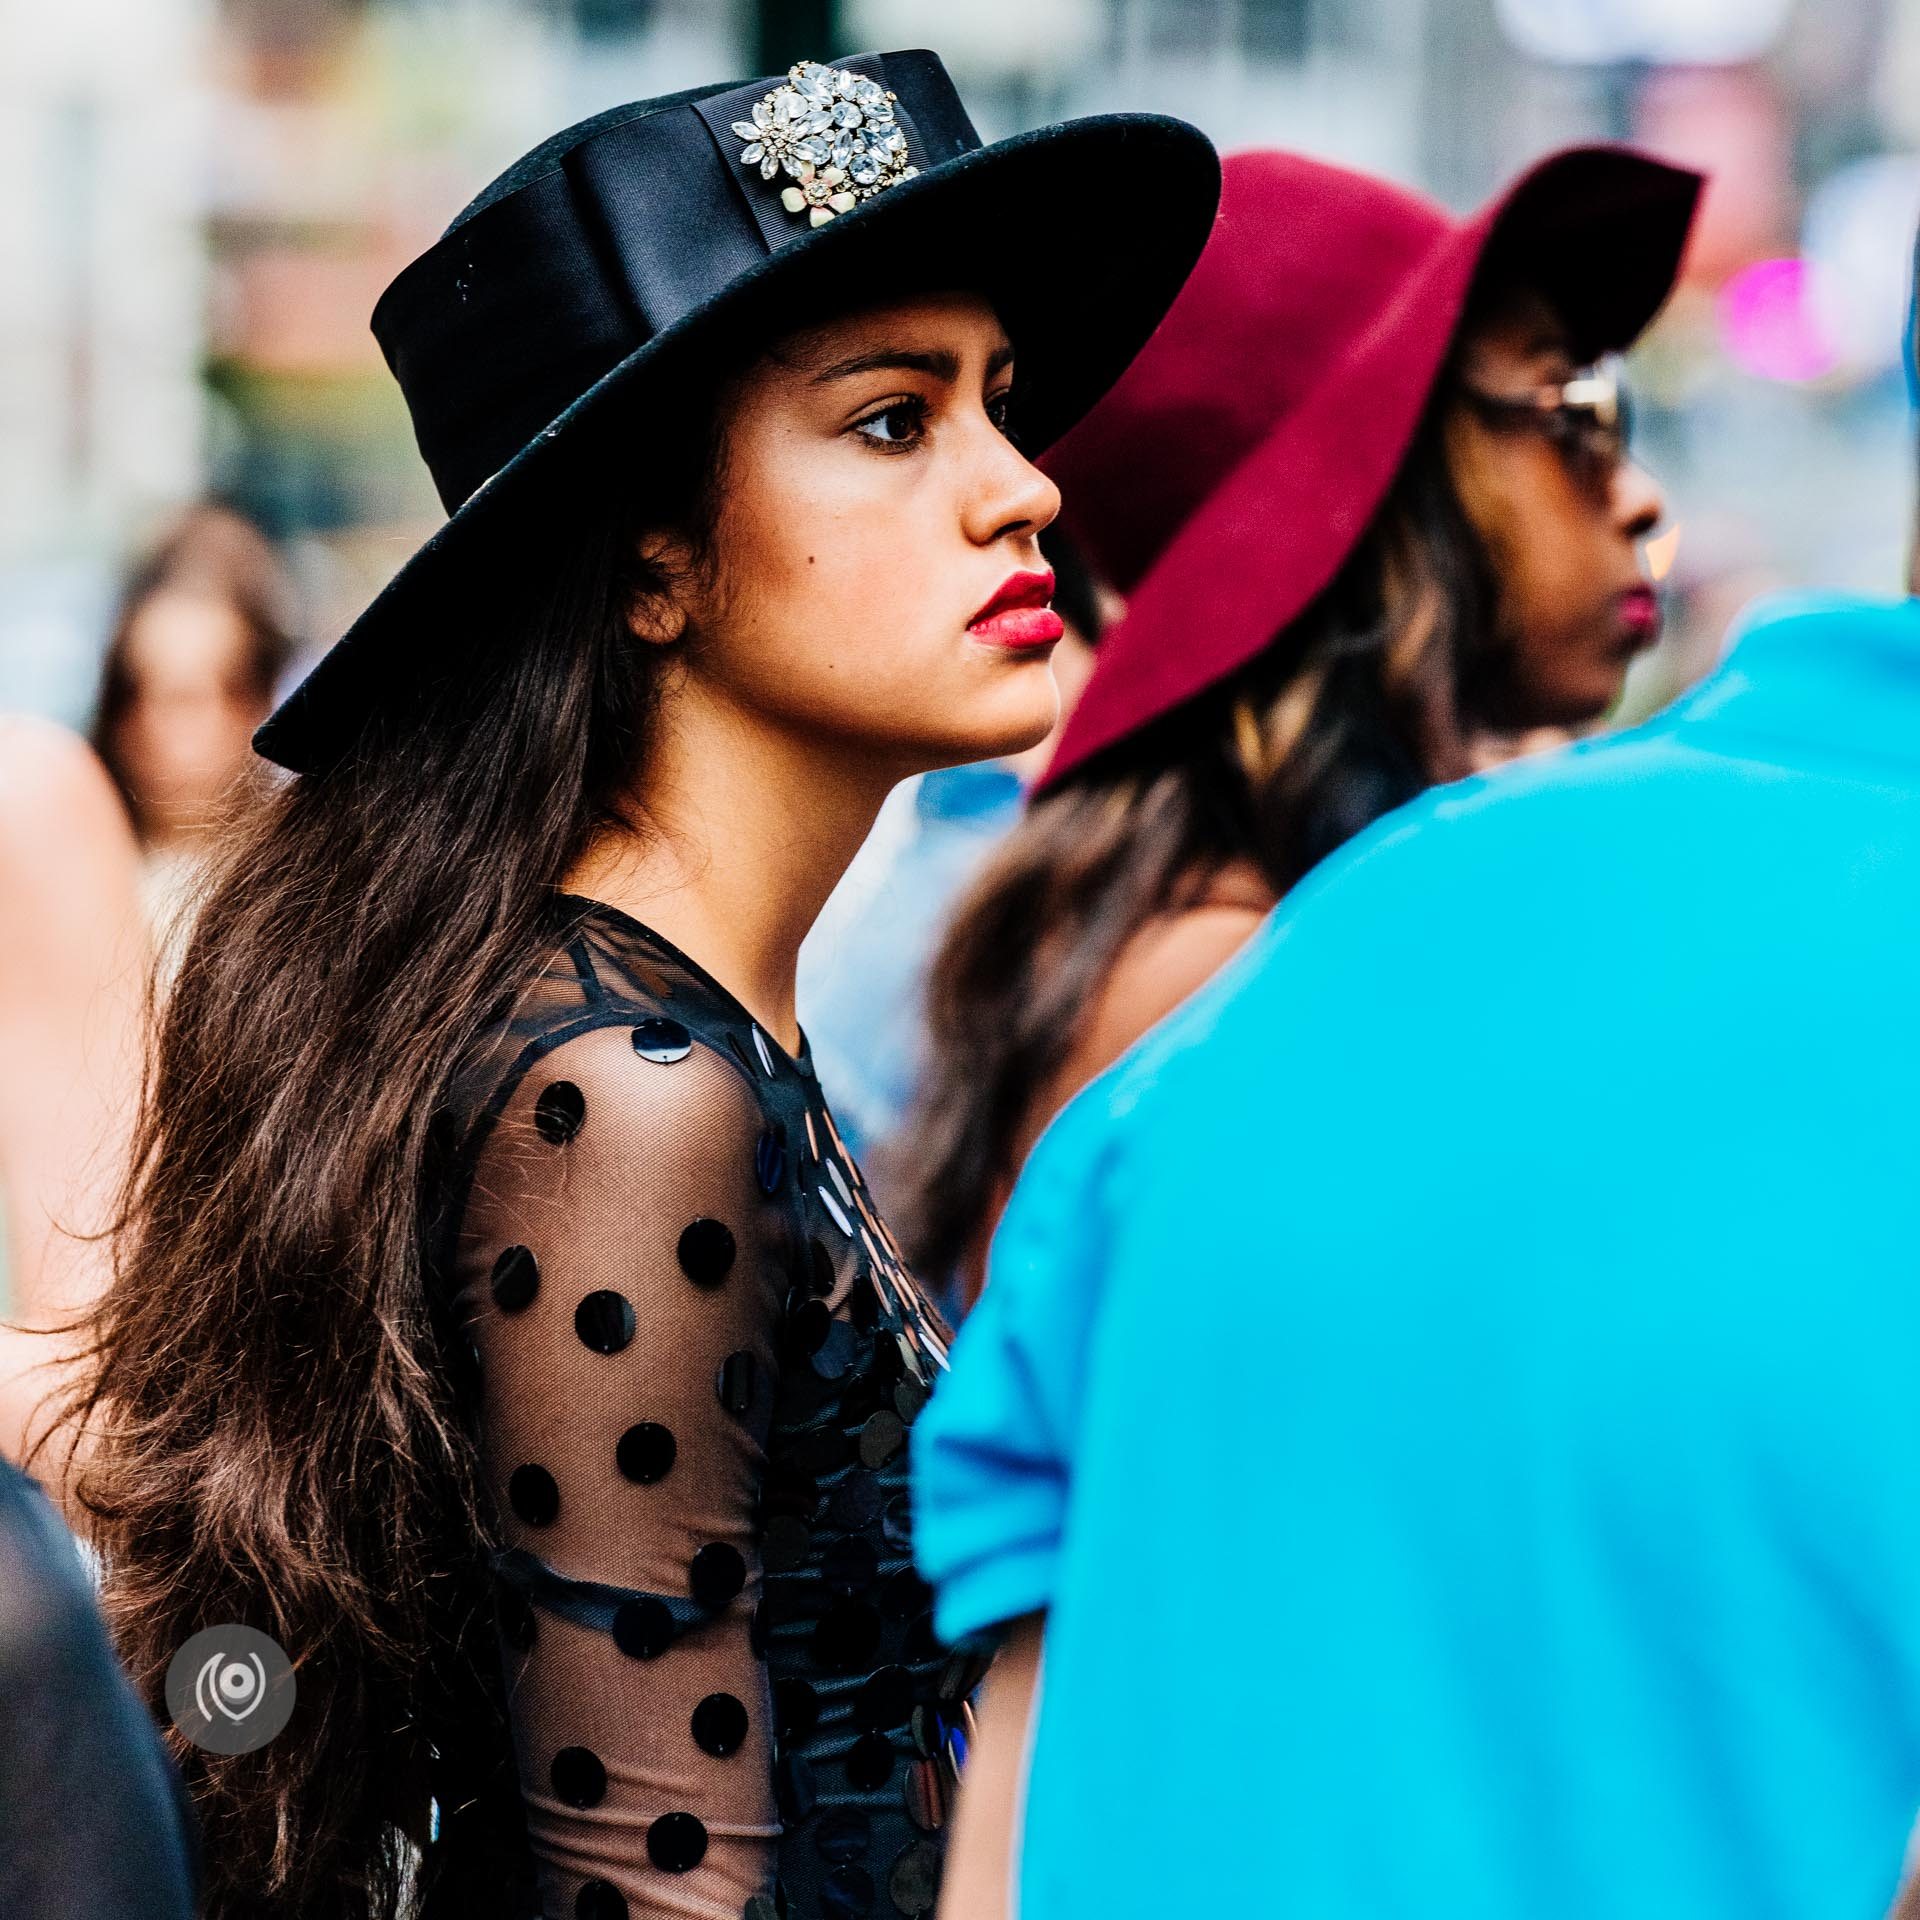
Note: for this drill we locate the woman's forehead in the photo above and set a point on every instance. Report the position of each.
(958, 324)
(1519, 319)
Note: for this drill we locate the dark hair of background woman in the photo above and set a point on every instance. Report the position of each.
(275, 1440)
(1359, 704)
(216, 553)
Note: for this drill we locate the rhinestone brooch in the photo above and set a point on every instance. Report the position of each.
(833, 133)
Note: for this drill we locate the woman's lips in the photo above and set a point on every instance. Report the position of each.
(1018, 616)
(1640, 616)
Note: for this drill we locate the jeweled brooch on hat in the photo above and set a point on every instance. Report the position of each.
(832, 131)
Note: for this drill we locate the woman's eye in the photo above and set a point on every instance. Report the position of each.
(1000, 410)
(898, 425)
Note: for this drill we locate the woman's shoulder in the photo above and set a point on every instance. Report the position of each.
(1169, 958)
(58, 811)
(1159, 965)
(608, 1006)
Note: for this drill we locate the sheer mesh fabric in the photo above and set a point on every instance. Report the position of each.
(697, 1356)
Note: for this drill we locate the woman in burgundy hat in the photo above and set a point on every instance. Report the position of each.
(1367, 495)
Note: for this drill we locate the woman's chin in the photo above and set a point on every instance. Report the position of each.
(1013, 731)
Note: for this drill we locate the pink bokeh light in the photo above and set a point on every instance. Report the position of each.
(1770, 322)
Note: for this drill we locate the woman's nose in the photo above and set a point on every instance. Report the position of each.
(1637, 501)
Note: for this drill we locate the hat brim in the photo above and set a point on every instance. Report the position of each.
(1080, 235)
(1600, 231)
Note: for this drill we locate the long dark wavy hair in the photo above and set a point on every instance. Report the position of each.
(1356, 706)
(273, 1440)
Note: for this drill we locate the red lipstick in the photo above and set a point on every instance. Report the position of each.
(1018, 616)
(1640, 616)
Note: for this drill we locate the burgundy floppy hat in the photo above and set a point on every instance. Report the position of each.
(1223, 480)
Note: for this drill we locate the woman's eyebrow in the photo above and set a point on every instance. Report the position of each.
(938, 363)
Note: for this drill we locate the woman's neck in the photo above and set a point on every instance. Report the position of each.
(743, 833)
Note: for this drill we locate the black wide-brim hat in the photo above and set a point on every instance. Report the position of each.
(606, 274)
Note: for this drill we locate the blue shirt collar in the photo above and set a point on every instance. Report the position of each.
(1819, 670)
(985, 790)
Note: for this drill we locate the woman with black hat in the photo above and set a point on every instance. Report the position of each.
(1368, 498)
(500, 1324)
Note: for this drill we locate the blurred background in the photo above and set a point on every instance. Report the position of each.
(203, 198)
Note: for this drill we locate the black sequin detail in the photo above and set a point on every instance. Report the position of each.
(796, 1709)
(676, 1843)
(904, 1594)
(533, 1495)
(857, 1502)
(846, 1636)
(769, 1160)
(928, 1794)
(789, 1491)
(643, 1629)
(843, 1835)
(913, 1882)
(884, 1700)
(604, 1321)
(719, 1725)
(738, 1379)
(881, 1438)
(578, 1777)
(707, 1251)
(807, 1327)
(515, 1280)
(863, 1304)
(850, 1564)
(717, 1575)
(784, 1544)
(645, 1453)
(822, 1450)
(835, 1354)
(794, 1791)
(599, 1900)
(662, 1041)
(869, 1763)
(847, 1894)
(820, 1264)
(560, 1112)
(897, 1523)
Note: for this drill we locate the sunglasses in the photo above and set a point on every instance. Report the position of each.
(1587, 418)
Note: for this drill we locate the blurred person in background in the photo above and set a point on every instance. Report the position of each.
(500, 1320)
(74, 961)
(93, 1822)
(1533, 1524)
(203, 634)
(1369, 501)
(92, 1819)
(863, 967)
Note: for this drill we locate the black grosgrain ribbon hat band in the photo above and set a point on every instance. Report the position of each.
(595, 280)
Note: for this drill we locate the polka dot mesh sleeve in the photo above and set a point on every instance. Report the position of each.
(695, 1358)
(611, 1259)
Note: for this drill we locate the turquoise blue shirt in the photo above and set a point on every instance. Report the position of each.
(1455, 1387)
